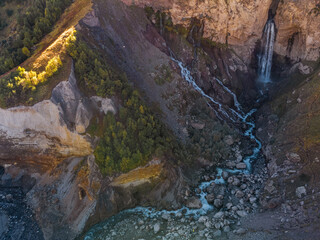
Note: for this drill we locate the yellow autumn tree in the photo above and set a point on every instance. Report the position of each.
(30, 79)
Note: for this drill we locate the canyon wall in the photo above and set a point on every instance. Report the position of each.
(241, 23)
(47, 145)
(298, 30)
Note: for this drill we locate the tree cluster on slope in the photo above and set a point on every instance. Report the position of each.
(34, 24)
(132, 136)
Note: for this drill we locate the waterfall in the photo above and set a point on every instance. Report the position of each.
(265, 59)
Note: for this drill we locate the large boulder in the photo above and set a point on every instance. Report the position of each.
(194, 203)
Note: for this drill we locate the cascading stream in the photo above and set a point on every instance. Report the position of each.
(265, 59)
(238, 115)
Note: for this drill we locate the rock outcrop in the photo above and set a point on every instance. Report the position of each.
(65, 198)
(48, 132)
(29, 135)
(240, 23)
(68, 192)
(298, 30)
(44, 144)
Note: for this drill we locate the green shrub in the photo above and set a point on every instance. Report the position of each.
(3, 23)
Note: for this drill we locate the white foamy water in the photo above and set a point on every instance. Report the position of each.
(265, 60)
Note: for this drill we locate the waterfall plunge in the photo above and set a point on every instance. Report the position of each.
(265, 59)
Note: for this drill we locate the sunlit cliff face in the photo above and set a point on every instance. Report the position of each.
(241, 23)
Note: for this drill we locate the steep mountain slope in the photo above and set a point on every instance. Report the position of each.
(69, 133)
(290, 131)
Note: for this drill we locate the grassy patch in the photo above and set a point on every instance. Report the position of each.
(18, 88)
(44, 90)
(163, 21)
(71, 16)
(301, 118)
(139, 174)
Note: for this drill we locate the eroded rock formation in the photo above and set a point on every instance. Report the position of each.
(240, 23)
(45, 154)
(298, 30)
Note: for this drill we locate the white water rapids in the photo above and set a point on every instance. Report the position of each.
(235, 115)
(265, 60)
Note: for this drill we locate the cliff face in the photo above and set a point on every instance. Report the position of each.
(50, 131)
(45, 145)
(27, 132)
(298, 30)
(238, 23)
(241, 23)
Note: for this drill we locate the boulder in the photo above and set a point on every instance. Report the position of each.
(218, 203)
(165, 216)
(229, 140)
(217, 233)
(156, 228)
(240, 231)
(242, 213)
(293, 157)
(210, 189)
(194, 203)
(219, 215)
(230, 164)
(236, 181)
(304, 69)
(225, 175)
(203, 219)
(241, 165)
(252, 200)
(210, 198)
(239, 194)
(300, 191)
(198, 126)
(226, 229)
(229, 206)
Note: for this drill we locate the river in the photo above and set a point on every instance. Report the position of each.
(185, 223)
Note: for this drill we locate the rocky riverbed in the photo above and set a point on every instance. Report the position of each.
(235, 200)
(214, 209)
